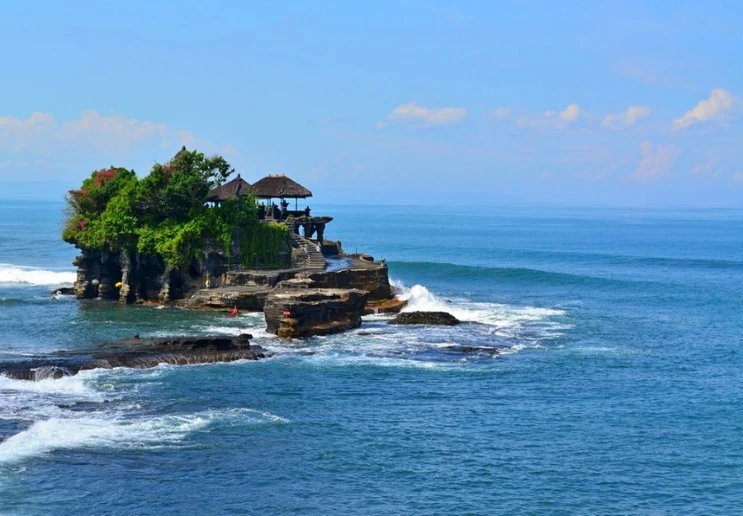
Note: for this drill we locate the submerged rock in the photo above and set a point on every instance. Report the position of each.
(303, 312)
(478, 350)
(431, 318)
(62, 291)
(137, 353)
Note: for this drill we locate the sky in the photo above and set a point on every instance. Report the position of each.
(626, 103)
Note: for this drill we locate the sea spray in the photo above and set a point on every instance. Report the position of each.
(502, 316)
(15, 274)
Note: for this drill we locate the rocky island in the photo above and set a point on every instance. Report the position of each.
(185, 236)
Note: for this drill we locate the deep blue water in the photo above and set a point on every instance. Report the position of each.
(618, 389)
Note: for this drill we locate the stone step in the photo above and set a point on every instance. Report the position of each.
(308, 255)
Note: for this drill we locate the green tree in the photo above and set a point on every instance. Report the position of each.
(165, 214)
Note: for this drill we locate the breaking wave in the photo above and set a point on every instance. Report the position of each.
(499, 315)
(58, 433)
(15, 274)
(493, 330)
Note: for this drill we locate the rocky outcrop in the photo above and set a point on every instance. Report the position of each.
(303, 312)
(250, 298)
(96, 275)
(430, 318)
(321, 300)
(268, 278)
(474, 350)
(248, 289)
(139, 354)
(131, 277)
(372, 277)
(384, 306)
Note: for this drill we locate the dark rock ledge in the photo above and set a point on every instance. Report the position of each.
(138, 354)
(431, 318)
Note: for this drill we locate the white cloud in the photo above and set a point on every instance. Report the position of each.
(429, 116)
(717, 106)
(626, 118)
(552, 119)
(738, 178)
(117, 131)
(706, 168)
(571, 113)
(655, 163)
(19, 135)
(501, 112)
(42, 132)
(545, 176)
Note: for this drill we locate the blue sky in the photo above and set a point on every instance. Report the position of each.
(578, 103)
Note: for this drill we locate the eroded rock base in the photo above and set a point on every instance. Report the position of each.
(303, 312)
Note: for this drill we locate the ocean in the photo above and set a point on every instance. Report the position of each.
(617, 388)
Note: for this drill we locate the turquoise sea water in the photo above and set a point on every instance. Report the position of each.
(618, 390)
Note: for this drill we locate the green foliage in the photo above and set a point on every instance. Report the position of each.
(165, 213)
(98, 212)
(261, 246)
(177, 244)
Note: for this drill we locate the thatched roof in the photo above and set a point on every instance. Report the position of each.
(229, 190)
(179, 153)
(279, 186)
(167, 165)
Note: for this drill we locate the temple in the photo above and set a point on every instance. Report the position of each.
(308, 287)
(280, 188)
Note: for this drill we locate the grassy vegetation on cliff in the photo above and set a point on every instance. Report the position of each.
(165, 214)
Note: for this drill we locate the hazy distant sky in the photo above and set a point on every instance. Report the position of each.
(600, 103)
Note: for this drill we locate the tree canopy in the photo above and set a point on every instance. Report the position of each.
(166, 214)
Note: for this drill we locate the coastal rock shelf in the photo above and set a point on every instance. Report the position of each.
(293, 313)
(251, 298)
(138, 354)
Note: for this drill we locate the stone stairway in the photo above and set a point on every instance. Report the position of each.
(306, 254)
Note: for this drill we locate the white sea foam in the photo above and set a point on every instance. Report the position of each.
(509, 328)
(499, 315)
(16, 274)
(23, 400)
(59, 433)
(79, 384)
(341, 359)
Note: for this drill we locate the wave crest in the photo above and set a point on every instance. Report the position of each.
(421, 299)
(15, 274)
(59, 433)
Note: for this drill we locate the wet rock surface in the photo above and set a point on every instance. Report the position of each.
(476, 350)
(137, 353)
(385, 306)
(430, 318)
(250, 298)
(304, 312)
